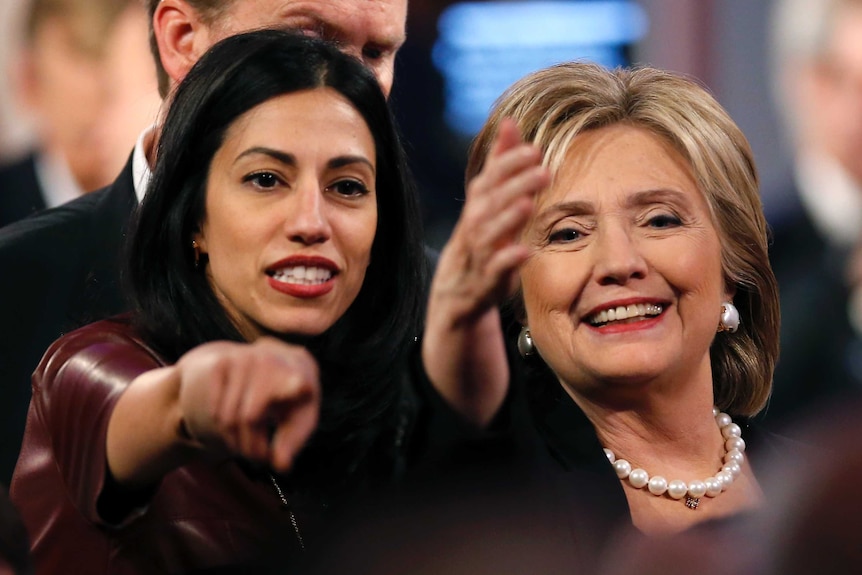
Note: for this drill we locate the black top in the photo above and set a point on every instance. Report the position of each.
(477, 500)
(534, 493)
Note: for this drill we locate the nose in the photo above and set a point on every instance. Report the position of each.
(306, 220)
(618, 257)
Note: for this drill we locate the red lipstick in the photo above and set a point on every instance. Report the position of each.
(636, 323)
(301, 289)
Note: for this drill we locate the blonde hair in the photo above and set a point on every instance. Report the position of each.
(553, 106)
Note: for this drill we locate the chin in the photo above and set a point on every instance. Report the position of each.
(628, 375)
(301, 329)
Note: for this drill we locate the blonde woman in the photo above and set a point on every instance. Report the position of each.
(647, 309)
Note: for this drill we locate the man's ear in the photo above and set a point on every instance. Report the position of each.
(182, 37)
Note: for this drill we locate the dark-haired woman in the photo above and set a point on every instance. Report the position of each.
(277, 277)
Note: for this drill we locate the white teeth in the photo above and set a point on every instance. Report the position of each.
(303, 275)
(626, 312)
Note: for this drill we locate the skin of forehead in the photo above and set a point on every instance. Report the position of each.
(345, 15)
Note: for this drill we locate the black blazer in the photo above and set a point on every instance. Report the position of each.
(60, 271)
(20, 192)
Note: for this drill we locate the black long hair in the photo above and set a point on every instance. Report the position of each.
(175, 308)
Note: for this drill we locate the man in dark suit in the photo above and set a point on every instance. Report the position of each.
(20, 193)
(61, 268)
(818, 50)
(819, 346)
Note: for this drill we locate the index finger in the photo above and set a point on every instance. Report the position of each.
(508, 136)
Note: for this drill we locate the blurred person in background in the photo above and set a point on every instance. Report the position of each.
(817, 51)
(84, 80)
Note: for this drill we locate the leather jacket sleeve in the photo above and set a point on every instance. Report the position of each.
(75, 390)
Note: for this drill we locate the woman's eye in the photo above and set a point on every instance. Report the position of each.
(664, 221)
(264, 180)
(564, 236)
(349, 188)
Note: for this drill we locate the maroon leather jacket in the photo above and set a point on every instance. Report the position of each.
(201, 516)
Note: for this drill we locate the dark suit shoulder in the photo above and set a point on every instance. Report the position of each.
(63, 263)
(45, 229)
(794, 237)
(816, 335)
(20, 191)
(117, 200)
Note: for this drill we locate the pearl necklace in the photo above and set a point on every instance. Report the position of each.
(734, 446)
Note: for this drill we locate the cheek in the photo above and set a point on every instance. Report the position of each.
(370, 232)
(545, 287)
(711, 277)
(231, 225)
(232, 239)
(529, 294)
(359, 234)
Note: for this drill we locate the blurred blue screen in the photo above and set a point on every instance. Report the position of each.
(483, 47)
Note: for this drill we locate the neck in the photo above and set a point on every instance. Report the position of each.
(665, 428)
(684, 442)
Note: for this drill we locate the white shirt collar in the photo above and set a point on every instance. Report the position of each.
(142, 172)
(831, 198)
(56, 180)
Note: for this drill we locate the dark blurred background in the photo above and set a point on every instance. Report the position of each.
(461, 55)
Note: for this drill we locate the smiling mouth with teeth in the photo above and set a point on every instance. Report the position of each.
(626, 312)
(302, 275)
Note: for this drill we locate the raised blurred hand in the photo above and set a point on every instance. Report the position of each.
(463, 349)
(259, 401)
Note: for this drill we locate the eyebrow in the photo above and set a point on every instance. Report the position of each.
(282, 157)
(580, 208)
(576, 207)
(290, 159)
(341, 161)
(331, 32)
(656, 195)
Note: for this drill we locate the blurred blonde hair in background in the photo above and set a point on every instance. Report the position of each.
(81, 84)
